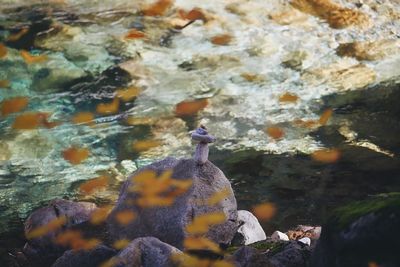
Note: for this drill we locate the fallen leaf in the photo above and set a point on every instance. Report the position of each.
(121, 244)
(323, 120)
(13, 105)
(32, 59)
(326, 155)
(128, 94)
(265, 211)
(3, 51)
(187, 108)
(222, 39)
(108, 108)
(134, 34)
(140, 120)
(28, 121)
(16, 36)
(83, 118)
(158, 8)
(75, 155)
(94, 184)
(100, 215)
(219, 196)
(194, 14)
(201, 223)
(125, 217)
(52, 226)
(275, 132)
(75, 240)
(140, 146)
(288, 97)
(4, 83)
(200, 243)
(306, 124)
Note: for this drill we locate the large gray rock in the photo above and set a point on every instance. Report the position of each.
(85, 258)
(146, 252)
(168, 223)
(42, 251)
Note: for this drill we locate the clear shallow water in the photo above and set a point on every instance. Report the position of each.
(89, 60)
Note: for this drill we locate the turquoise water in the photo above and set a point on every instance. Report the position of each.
(89, 60)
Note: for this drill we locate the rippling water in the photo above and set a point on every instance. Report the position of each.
(274, 49)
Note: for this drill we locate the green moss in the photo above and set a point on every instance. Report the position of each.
(272, 246)
(379, 203)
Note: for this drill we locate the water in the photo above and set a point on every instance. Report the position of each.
(282, 49)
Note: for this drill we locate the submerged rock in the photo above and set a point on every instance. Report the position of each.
(360, 233)
(168, 223)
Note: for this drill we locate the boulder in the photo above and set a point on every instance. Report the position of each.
(168, 222)
(146, 252)
(85, 258)
(250, 230)
(361, 233)
(42, 251)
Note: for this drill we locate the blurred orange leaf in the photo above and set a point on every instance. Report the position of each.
(200, 243)
(134, 34)
(275, 132)
(326, 115)
(222, 39)
(16, 36)
(140, 120)
(52, 226)
(83, 117)
(13, 105)
(288, 97)
(265, 211)
(100, 215)
(28, 121)
(140, 146)
(306, 124)
(194, 14)
(201, 223)
(187, 108)
(125, 217)
(75, 240)
(219, 196)
(121, 244)
(4, 83)
(32, 59)
(128, 94)
(94, 184)
(75, 155)
(108, 108)
(326, 155)
(3, 50)
(158, 8)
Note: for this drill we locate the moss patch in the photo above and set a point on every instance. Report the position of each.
(379, 203)
(272, 247)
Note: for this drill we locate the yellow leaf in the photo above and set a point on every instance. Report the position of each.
(83, 117)
(200, 243)
(100, 215)
(108, 108)
(31, 58)
(125, 217)
(128, 94)
(326, 155)
(265, 211)
(52, 226)
(94, 184)
(219, 196)
(140, 146)
(121, 244)
(325, 116)
(75, 155)
(201, 223)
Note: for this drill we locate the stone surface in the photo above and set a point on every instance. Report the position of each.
(362, 232)
(42, 250)
(83, 258)
(277, 235)
(168, 223)
(145, 252)
(305, 241)
(250, 230)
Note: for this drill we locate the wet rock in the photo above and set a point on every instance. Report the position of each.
(294, 60)
(248, 256)
(277, 235)
(250, 230)
(292, 255)
(146, 252)
(168, 223)
(42, 250)
(84, 258)
(362, 232)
